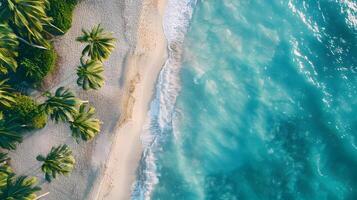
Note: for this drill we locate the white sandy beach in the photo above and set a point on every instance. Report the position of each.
(143, 67)
(105, 167)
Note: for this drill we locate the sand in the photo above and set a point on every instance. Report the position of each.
(144, 65)
(105, 167)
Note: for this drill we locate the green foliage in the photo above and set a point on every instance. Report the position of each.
(8, 49)
(3, 178)
(59, 161)
(31, 70)
(35, 64)
(90, 75)
(23, 109)
(39, 120)
(21, 188)
(29, 17)
(12, 188)
(84, 126)
(10, 134)
(61, 106)
(61, 13)
(26, 111)
(5, 169)
(6, 97)
(100, 44)
(3, 158)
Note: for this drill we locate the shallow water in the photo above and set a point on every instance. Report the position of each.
(266, 104)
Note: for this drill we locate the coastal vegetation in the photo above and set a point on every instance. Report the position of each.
(90, 74)
(8, 50)
(59, 161)
(34, 65)
(99, 44)
(5, 170)
(61, 13)
(83, 125)
(10, 134)
(15, 188)
(29, 18)
(27, 57)
(61, 106)
(26, 111)
(19, 188)
(6, 97)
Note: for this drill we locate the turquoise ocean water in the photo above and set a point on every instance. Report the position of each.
(258, 100)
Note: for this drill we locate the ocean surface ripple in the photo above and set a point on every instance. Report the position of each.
(256, 101)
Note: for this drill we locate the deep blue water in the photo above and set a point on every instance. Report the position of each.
(267, 104)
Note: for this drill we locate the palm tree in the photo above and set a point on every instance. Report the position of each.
(8, 49)
(6, 97)
(100, 44)
(21, 188)
(59, 161)
(83, 125)
(32, 70)
(5, 170)
(61, 106)
(10, 134)
(90, 74)
(29, 16)
(3, 158)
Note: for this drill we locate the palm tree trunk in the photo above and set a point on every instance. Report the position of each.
(28, 43)
(42, 195)
(55, 27)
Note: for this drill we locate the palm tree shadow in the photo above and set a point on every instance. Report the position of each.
(123, 69)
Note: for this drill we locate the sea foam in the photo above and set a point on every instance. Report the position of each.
(159, 120)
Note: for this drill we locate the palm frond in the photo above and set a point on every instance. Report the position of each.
(19, 188)
(6, 97)
(84, 126)
(10, 134)
(29, 16)
(8, 49)
(5, 170)
(61, 106)
(90, 75)
(59, 161)
(100, 44)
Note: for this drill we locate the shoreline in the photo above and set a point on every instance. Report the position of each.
(143, 66)
(122, 103)
(105, 167)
